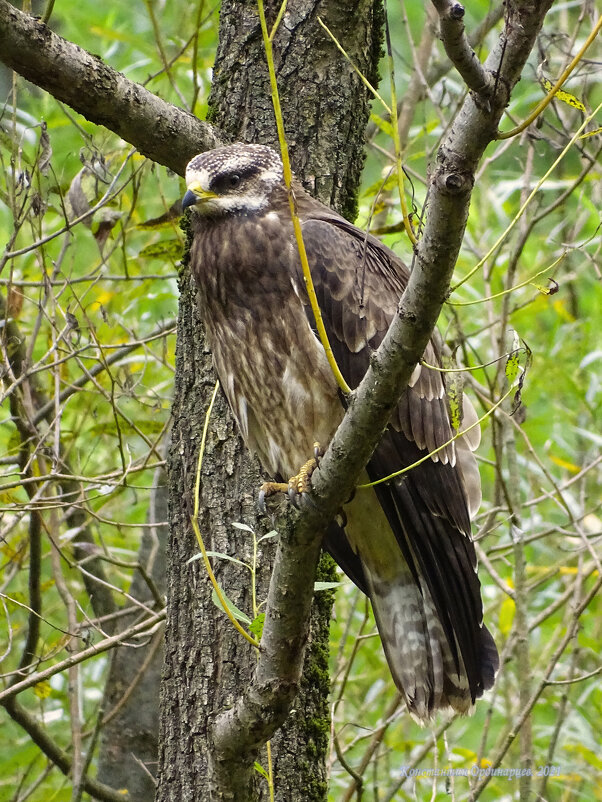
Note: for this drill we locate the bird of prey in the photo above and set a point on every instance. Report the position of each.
(407, 542)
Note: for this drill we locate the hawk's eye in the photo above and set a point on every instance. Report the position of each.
(226, 182)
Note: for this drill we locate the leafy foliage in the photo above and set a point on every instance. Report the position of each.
(88, 310)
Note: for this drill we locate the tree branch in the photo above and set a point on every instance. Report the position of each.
(240, 731)
(23, 418)
(35, 590)
(102, 646)
(236, 732)
(458, 49)
(161, 331)
(60, 758)
(162, 132)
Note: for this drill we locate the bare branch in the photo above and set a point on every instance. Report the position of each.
(79, 657)
(23, 416)
(579, 606)
(164, 133)
(459, 51)
(53, 751)
(163, 330)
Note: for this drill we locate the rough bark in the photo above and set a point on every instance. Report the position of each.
(450, 189)
(207, 663)
(325, 102)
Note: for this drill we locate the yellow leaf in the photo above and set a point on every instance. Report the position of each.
(467, 754)
(383, 125)
(568, 570)
(591, 133)
(104, 297)
(563, 463)
(110, 33)
(566, 97)
(561, 310)
(507, 611)
(42, 690)
(589, 756)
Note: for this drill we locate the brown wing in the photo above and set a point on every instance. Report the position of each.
(358, 282)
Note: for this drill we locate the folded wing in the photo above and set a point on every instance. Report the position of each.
(419, 566)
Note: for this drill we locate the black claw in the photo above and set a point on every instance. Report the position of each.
(293, 497)
(306, 498)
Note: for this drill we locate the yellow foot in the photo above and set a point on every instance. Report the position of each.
(297, 485)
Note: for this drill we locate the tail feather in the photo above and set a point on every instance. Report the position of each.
(426, 643)
(411, 646)
(417, 651)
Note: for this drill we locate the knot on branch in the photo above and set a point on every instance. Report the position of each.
(454, 182)
(457, 11)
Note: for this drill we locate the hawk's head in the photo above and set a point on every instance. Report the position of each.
(233, 179)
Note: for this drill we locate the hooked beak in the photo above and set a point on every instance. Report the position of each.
(196, 194)
(189, 199)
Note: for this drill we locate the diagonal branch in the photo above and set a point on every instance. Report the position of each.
(256, 713)
(165, 133)
(23, 419)
(60, 758)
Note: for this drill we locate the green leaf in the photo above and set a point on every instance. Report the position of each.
(454, 385)
(244, 527)
(512, 363)
(170, 248)
(327, 585)
(256, 626)
(272, 533)
(260, 770)
(236, 613)
(223, 556)
(381, 186)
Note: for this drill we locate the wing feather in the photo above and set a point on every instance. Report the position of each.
(427, 508)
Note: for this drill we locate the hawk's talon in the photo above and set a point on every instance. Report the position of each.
(269, 489)
(297, 488)
(293, 494)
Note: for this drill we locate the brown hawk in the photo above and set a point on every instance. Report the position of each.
(406, 543)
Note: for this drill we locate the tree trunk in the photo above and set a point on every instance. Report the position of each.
(129, 738)
(326, 108)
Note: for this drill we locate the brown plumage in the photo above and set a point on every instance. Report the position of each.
(405, 543)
